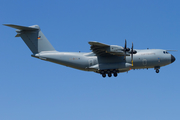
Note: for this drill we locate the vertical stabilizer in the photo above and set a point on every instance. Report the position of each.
(33, 37)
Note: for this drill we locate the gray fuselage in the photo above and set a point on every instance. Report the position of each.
(149, 58)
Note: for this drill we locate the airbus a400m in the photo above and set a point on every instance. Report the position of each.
(104, 59)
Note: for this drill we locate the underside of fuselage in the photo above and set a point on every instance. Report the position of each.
(144, 59)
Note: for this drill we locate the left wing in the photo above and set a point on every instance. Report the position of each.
(102, 49)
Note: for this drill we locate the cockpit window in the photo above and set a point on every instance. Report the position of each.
(165, 52)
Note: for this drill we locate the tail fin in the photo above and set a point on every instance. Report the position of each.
(33, 37)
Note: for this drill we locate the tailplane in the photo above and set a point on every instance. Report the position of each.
(33, 37)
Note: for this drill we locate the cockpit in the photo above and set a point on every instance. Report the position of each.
(165, 52)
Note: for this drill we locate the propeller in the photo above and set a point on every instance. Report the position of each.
(132, 51)
(132, 54)
(125, 47)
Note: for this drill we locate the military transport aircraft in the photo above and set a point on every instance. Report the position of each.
(104, 59)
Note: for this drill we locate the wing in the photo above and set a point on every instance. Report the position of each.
(99, 48)
(102, 49)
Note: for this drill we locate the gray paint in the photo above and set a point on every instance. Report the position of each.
(103, 58)
(30, 36)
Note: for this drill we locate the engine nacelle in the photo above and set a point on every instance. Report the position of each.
(115, 48)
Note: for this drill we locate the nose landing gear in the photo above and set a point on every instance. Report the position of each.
(157, 69)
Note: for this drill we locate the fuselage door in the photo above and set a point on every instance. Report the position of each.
(90, 62)
(144, 62)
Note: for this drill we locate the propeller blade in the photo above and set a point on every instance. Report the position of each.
(132, 55)
(125, 44)
(125, 47)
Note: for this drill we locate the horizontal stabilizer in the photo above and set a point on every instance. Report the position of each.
(22, 27)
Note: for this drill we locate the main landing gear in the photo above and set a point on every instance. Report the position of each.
(109, 73)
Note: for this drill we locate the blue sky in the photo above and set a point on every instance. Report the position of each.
(35, 89)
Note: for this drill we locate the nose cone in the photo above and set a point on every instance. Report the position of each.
(172, 59)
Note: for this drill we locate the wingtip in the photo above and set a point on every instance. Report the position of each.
(91, 42)
(5, 24)
(9, 25)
